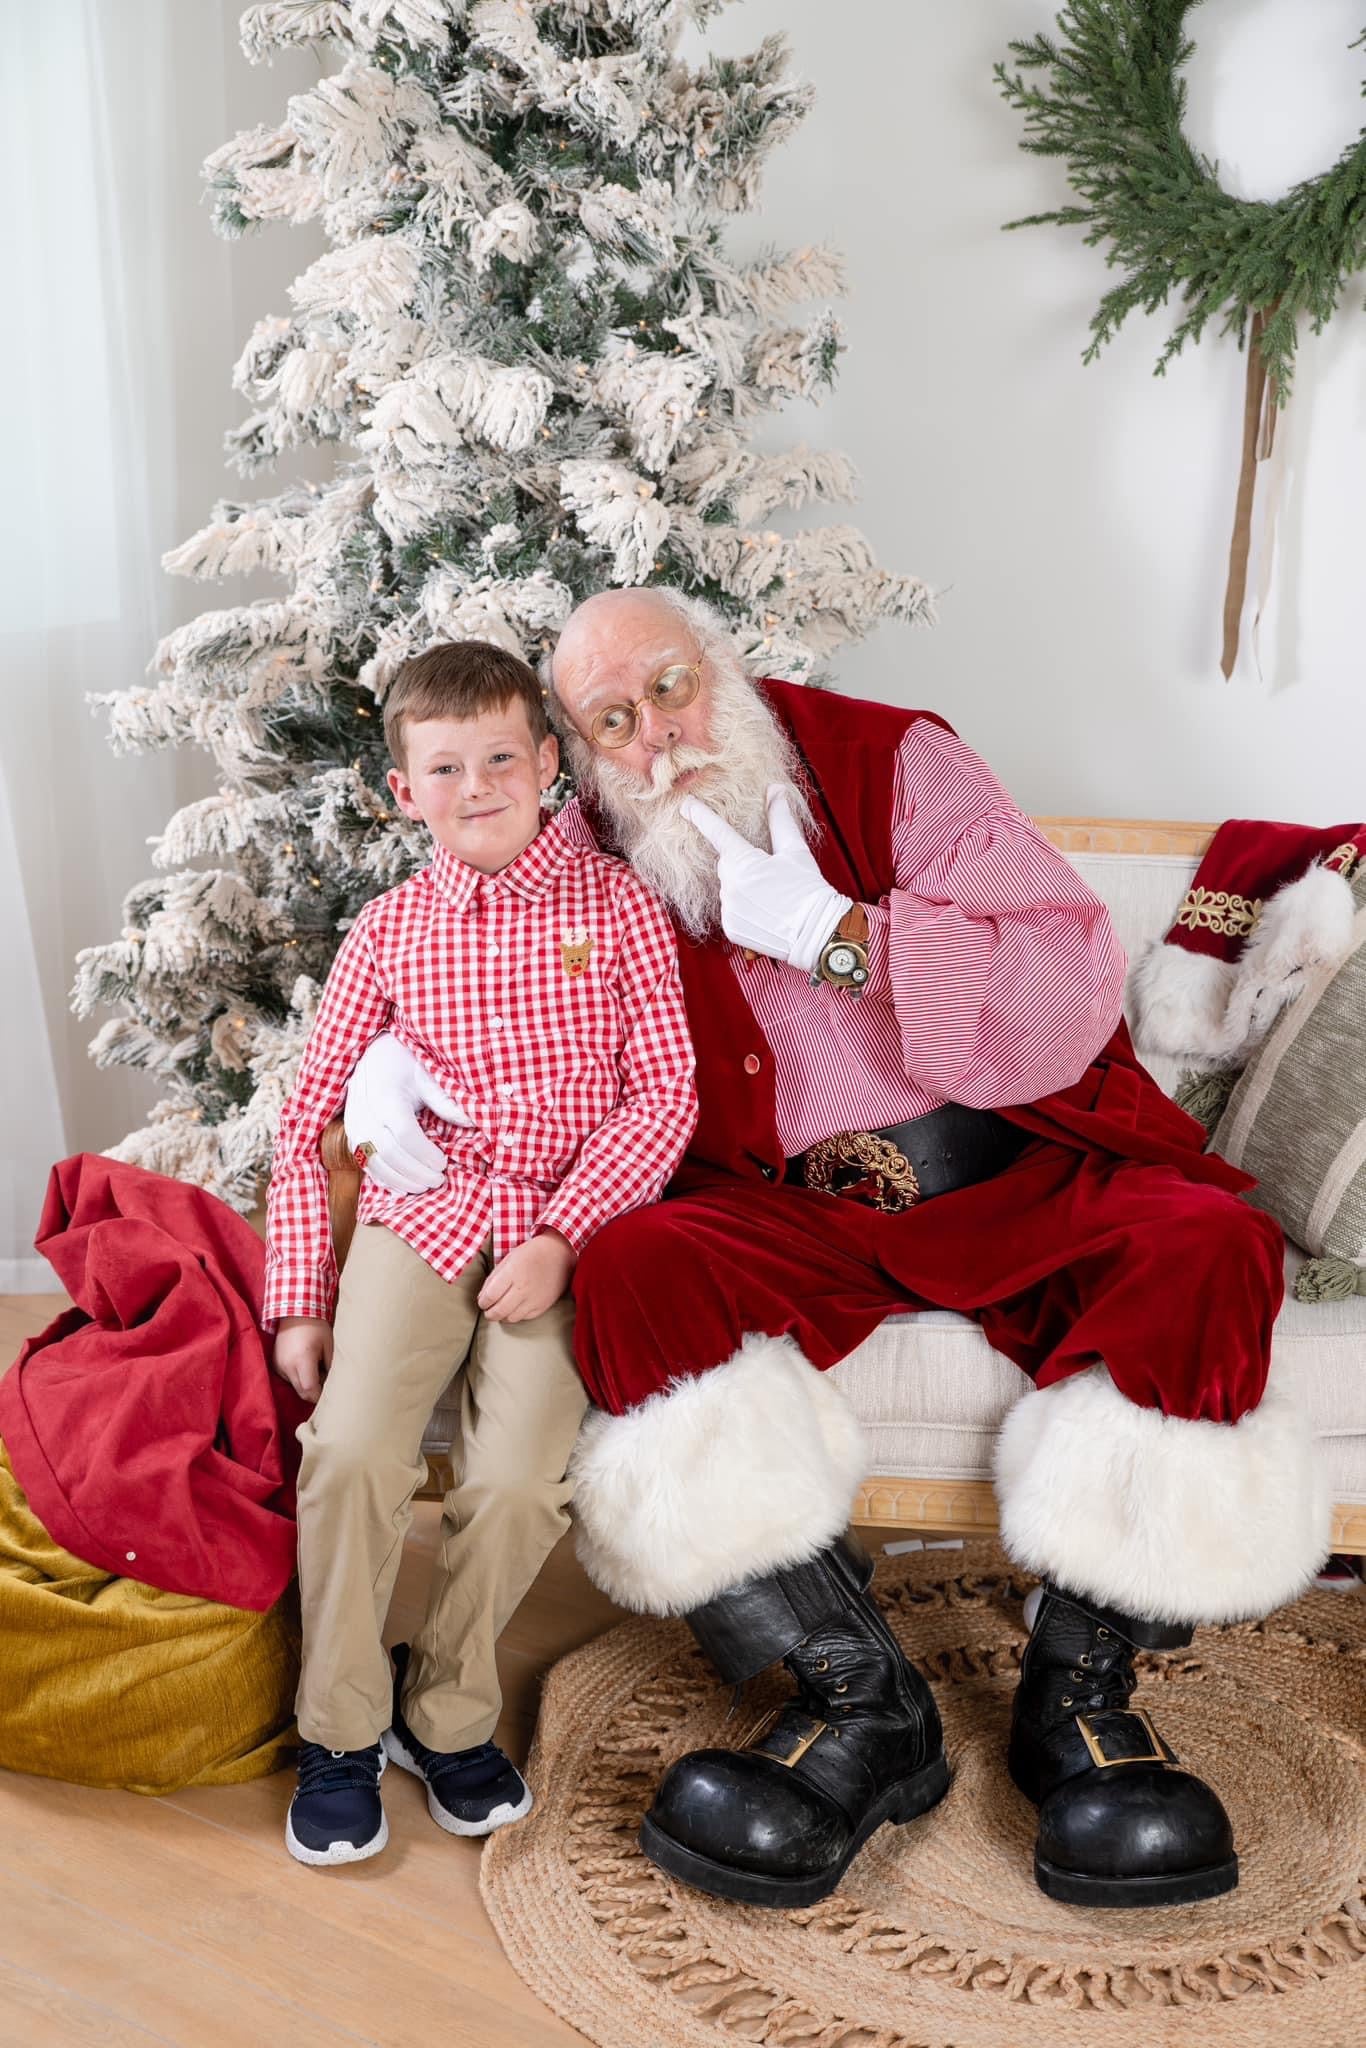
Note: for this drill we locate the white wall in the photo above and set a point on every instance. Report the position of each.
(175, 86)
(1076, 519)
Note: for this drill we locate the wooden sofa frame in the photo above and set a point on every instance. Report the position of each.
(944, 1507)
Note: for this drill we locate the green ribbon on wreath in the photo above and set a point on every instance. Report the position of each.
(1112, 105)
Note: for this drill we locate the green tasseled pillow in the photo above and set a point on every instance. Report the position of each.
(1205, 1096)
(1296, 1117)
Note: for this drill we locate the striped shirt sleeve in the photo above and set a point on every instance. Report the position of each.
(1006, 975)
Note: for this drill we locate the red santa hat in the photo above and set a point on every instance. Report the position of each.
(1269, 903)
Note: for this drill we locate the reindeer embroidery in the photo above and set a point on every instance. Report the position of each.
(575, 947)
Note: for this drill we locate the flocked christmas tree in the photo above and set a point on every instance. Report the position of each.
(539, 367)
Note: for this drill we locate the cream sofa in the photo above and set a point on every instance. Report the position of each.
(931, 1392)
(929, 1389)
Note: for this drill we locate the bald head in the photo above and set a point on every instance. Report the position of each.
(612, 614)
(612, 638)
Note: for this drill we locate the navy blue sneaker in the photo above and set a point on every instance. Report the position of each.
(469, 1791)
(335, 1815)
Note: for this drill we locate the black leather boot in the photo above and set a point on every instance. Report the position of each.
(1119, 1823)
(778, 1822)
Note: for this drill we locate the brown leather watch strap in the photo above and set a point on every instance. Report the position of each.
(854, 925)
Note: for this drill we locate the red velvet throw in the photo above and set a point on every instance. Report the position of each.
(145, 1424)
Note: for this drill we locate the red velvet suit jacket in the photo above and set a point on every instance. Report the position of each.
(849, 746)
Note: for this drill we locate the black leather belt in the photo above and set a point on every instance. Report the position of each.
(950, 1147)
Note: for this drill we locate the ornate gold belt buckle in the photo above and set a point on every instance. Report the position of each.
(862, 1157)
(1159, 1753)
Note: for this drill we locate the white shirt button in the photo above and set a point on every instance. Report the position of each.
(506, 1089)
(131, 1556)
(495, 1023)
(493, 951)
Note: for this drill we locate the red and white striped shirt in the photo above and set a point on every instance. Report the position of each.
(994, 972)
(545, 1000)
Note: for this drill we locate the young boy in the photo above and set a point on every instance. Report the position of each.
(537, 982)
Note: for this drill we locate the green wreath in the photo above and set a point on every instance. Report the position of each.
(1112, 105)
(1113, 108)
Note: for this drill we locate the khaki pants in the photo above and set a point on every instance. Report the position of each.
(400, 1332)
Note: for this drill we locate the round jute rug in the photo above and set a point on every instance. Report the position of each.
(938, 1937)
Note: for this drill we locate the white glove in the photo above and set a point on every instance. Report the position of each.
(777, 903)
(385, 1093)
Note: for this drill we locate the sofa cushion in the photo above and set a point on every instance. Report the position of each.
(931, 1393)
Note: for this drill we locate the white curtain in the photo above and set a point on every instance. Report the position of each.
(124, 315)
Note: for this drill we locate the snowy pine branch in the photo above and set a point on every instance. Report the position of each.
(539, 368)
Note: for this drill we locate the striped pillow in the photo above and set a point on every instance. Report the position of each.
(1297, 1117)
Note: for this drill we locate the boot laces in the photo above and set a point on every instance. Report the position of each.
(1112, 1682)
(830, 1685)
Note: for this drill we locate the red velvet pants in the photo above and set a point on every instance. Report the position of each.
(1065, 1257)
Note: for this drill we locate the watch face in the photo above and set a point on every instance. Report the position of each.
(841, 960)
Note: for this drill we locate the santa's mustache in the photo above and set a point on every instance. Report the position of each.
(665, 770)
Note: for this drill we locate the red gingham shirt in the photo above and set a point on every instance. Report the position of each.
(578, 1085)
(994, 973)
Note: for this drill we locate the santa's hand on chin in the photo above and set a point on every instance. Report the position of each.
(383, 1098)
(776, 903)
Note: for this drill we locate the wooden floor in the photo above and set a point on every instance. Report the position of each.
(126, 1920)
(183, 1920)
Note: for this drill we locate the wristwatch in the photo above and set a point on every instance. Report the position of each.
(843, 959)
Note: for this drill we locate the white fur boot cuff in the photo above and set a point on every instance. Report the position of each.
(740, 1472)
(1165, 1519)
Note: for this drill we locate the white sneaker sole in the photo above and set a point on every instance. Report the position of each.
(499, 1818)
(340, 1852)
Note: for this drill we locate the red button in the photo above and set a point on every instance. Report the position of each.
(752, 1062)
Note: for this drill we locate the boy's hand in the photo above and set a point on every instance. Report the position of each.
(303, 1350)
(528, 1280)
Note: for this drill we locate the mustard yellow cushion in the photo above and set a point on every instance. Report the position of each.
(105, 1681)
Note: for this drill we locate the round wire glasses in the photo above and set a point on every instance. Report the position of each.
(616, 725)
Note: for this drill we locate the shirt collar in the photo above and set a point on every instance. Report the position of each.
(532, 871)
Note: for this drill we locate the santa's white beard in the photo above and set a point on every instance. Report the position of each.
(749, 751)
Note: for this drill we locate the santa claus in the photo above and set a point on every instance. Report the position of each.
(916, 1091)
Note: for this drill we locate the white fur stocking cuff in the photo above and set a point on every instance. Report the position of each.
(746, 1469)
(1164, 1519)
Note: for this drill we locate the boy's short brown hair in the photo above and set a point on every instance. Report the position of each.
(461, 679)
